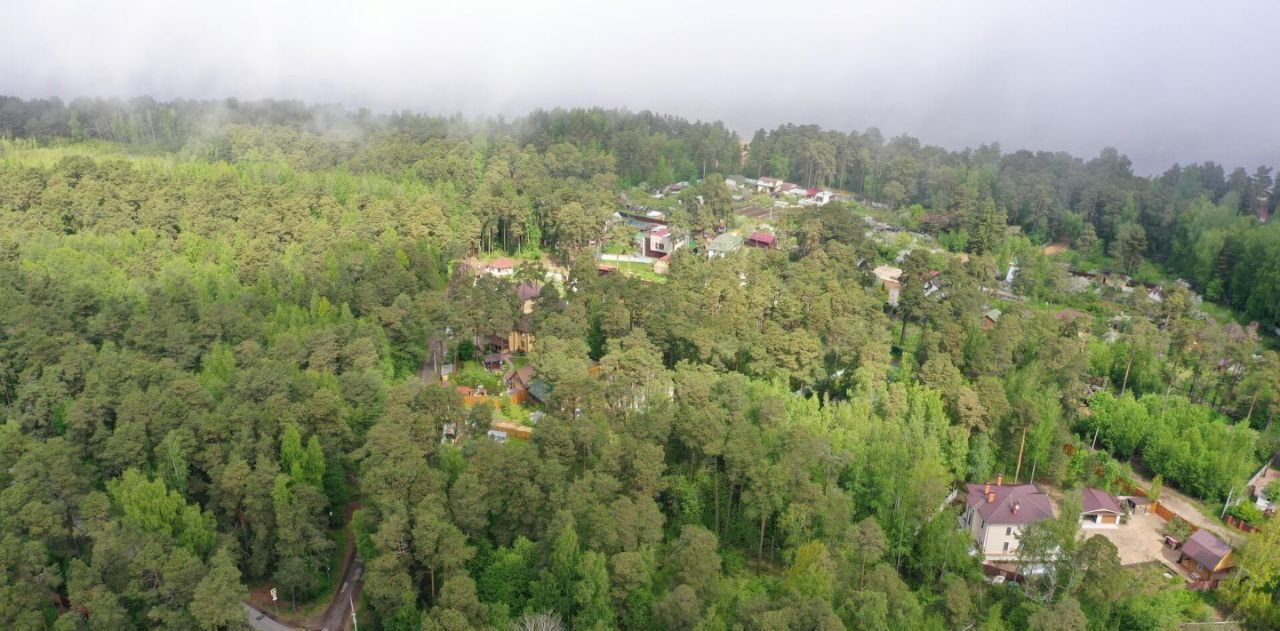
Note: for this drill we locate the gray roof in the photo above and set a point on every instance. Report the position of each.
(1017, 504)
(1205, 549)
(726, 243)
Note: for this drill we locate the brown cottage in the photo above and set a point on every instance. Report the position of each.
(1207, 557)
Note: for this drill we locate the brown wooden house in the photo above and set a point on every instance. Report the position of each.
(1207, 557)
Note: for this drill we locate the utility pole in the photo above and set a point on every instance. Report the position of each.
(1227, 503)
(355, 624)
(1021, 445)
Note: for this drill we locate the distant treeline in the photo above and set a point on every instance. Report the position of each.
(1200, 220)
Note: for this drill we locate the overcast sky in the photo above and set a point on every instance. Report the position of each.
(1161, 81)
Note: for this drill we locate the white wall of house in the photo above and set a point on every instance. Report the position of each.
(1000, 541)
(997, 542)
(1098, 521)
(666, 245)
(1263, 502)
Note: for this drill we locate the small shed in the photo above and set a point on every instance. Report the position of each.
(538, 391)
(1136, 504)
(519, 378)
(761, 240)
(889, 277)
(724, 244)
(1206, 557)
(494, 361)
(990, 318)
(1099, 509)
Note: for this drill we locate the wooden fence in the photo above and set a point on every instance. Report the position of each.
(1011, 576)
(1130, 488)
(1168, 515)
(1240, 525)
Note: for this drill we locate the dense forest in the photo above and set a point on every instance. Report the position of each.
(214, 318)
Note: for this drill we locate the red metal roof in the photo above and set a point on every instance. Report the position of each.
(528, 291)
(1099, 501)
(762, 237)
(1018, 504)
(502, 263)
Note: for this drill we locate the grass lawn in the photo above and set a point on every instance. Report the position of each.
(472, 373)
(619, 248)
(639, 270)
(511, 411)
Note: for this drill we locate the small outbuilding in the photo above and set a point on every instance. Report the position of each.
(495, 361)
(723, 245)
(990, 318)
(1207, 557)
(1135, 504)
(889, 277)
(761, 240)
(1099, 509)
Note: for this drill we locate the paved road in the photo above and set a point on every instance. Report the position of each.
(261, 621)
(430, 370)
(338, 616)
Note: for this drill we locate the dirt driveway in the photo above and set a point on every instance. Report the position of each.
(1186, 508)
(1138, 541)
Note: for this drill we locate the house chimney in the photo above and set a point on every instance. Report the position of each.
(1016, 505)
(991, 498)
(986, 489)
(1000, 480)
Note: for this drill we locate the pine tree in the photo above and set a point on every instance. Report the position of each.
(216, 603)
(554, 589)
(591, 594)
(309, 467)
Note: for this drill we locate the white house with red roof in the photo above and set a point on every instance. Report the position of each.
(995, 515)
(503, 267)
(662, 241)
